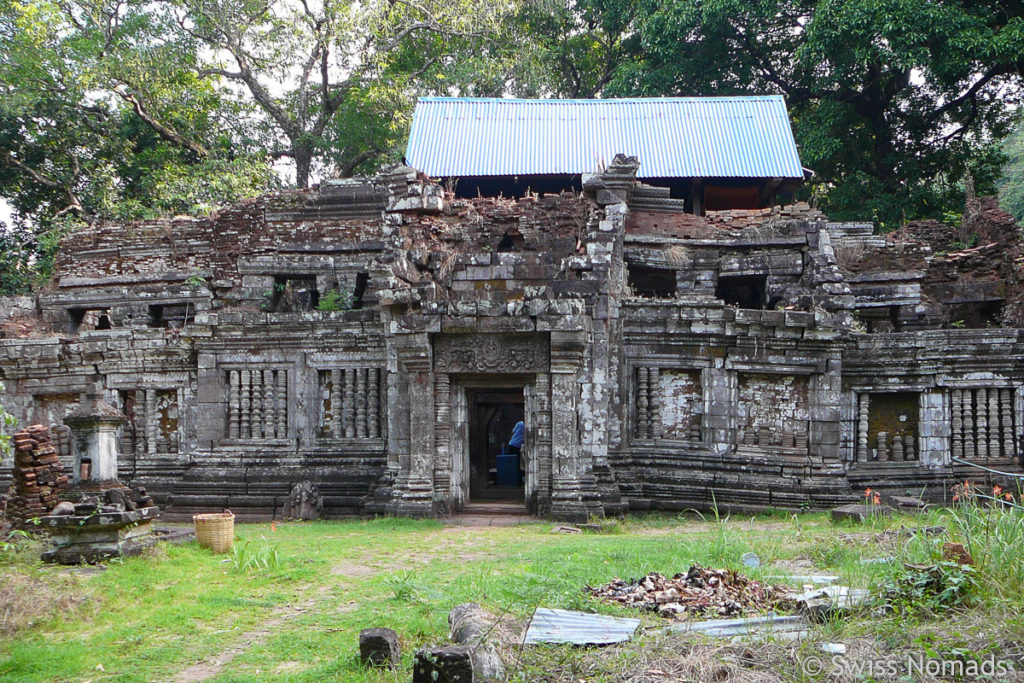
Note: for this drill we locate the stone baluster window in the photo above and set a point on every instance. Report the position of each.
(350, 403)
(153, 419)
(887, 426)
(257, 404)
(648, 403)
(982, 423)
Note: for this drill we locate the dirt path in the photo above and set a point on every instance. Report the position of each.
(352, 568)
(210, 667)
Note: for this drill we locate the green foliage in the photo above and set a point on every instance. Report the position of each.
(1011, 184)
(255, 557)
(7, 424)
(403, 586)
(12, 541)
(106, 114)
(335, 300)
(892, 102)
(930, 588)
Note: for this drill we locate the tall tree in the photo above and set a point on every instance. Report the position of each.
(102, 115)
(313, 67)
(892, 101)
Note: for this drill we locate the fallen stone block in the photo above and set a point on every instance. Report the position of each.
(476, 628)
(444, 665)
(379, 647)
(858, 512)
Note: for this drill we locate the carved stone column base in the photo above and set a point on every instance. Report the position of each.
(566, 509)
(609, 495)
(412, 498)
(575, 503)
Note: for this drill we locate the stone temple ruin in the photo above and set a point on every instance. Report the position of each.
(672, 338)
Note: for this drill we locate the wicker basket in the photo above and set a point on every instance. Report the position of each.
(215, 530)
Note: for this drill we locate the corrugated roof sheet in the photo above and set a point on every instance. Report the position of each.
(578, 628)
(683, 137)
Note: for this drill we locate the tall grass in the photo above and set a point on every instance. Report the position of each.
(992, 530)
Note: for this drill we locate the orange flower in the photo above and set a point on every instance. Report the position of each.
(877, 500)
(273, 526)
(867, 493)
(956, 497)
(1008, 496)
(967, 485)
(996, 490)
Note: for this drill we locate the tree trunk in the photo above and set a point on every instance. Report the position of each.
(303, 161)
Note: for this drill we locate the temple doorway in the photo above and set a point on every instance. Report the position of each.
(495, 471)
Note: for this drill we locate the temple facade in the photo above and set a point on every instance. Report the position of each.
(377, 338)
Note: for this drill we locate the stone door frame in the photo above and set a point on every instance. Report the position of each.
(458, 430)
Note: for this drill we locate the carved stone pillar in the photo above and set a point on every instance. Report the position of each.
(233, 404)
(349, 405)
(336, 398)
(862, 454)
(442, 436)
(968, 406)
(257, 404)
(281, 402)
(883, 447)
(897, 447)
(956, 400)
(994, 445)
(542, 441)
(642, 419)
(569, 500)
(140, 429)
(244, 427)
(981, 421)
(151, 421)
(361, 403)
(373, 401)
(269, 408)
(1006, 421)
(654, 403)
(413, 492)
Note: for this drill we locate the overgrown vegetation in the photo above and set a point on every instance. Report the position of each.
(335, 300)
(125, 110)
(162, 613)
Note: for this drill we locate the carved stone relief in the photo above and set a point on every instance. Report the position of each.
(491, 353)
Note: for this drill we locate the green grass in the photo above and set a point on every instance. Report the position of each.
(150, 618)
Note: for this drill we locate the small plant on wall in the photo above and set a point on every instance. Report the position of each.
(335, 300)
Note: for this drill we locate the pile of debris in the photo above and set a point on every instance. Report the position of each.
(38, 477)
(700, 591)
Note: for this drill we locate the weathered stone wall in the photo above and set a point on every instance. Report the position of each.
(666, 360)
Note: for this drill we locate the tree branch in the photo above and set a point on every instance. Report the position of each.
(349, 166)
(74, 203)
(166, 132)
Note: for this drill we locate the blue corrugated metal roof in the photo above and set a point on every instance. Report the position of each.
(682, 137)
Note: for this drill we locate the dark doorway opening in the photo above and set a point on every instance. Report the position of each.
(744, 291)
(495, 473)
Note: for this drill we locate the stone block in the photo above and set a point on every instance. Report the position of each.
(858, 512)
(444, 665)
(379, 647)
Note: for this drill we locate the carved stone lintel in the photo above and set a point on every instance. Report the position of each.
(491, 353)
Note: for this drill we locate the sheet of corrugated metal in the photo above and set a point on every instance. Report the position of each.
(685, 137)
(579, 628)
